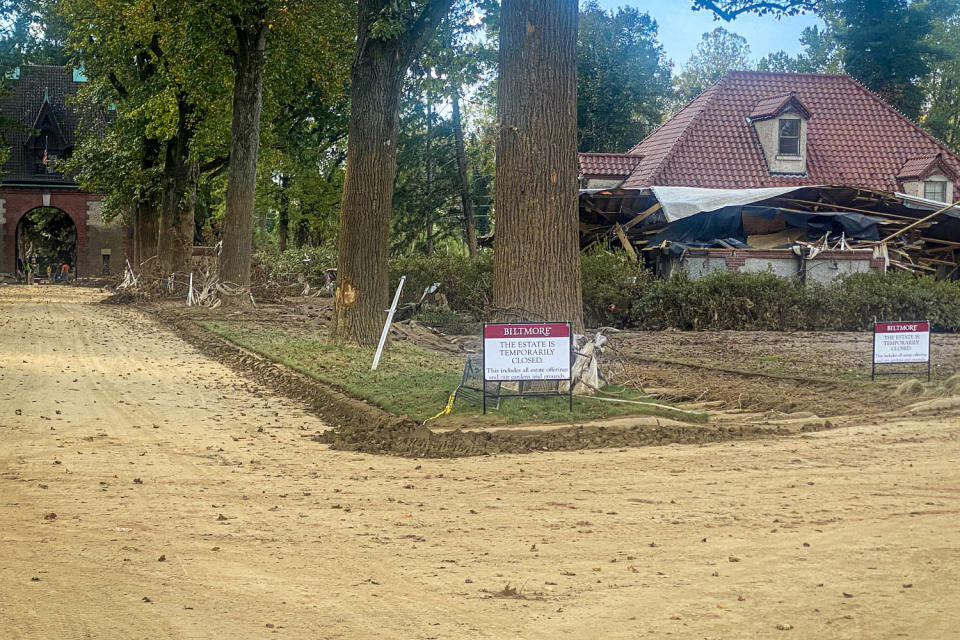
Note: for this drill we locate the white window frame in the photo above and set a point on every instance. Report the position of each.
(781, 138)
(940, 185)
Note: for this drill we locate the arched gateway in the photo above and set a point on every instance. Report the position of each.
(49, 132)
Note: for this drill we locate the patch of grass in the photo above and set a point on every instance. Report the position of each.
(409, 381)
(417, 383)
(547, 409)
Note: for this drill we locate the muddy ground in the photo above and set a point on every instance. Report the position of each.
(147, 491)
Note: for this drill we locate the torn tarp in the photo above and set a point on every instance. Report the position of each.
(728, 222)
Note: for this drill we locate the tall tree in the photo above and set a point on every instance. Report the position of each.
(536, 266)
(390, 35)
(466, 200)
(623, 78)
(884, 48)
(718, 52)
(942, 113)
(249, 22)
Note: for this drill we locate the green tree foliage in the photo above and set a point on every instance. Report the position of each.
(730, 9)
(28, 36)
(821, 54)
(885, 47)
(719, 51)
(623, 78)
(942, 86)
(428, 210)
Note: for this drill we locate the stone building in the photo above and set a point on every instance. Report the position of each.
(47, 130)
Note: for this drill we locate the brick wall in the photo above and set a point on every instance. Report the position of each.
(93, 236)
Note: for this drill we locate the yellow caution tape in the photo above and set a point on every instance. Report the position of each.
(446, 409)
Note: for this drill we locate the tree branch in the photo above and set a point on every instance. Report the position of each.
(215, 165)
(730, 9)
(118, 86)
(422, 30)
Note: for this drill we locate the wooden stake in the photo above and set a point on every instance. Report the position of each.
(626, 243)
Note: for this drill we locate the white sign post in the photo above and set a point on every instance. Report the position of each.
(526, 351)
(901, 343)
(386, 325)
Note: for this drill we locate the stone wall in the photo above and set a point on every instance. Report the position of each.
(826, 267)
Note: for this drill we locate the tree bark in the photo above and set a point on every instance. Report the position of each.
(376, 78)
(536, 265)
(244, 149)
(430, 209)
(283, 214)
(146, 212)
(178, 198)
(469, 229)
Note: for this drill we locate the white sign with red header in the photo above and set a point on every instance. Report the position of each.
(901, 342)
(526, 351)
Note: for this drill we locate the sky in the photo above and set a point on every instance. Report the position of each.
(681, 28)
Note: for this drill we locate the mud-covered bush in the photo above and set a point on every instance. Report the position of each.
(861, 298)
(610, 283)
(466, 283)
(723, 300)
(308, 262)
(763, 301)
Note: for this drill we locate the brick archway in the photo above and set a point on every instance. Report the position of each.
(18, 231)
(94, 238)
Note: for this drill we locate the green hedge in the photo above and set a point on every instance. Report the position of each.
(619, 292)
(763, 301)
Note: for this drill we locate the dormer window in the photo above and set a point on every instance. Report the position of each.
(789, 137)
(929, 177)
(780, 123)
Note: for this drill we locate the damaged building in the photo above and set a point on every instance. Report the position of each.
(810, 175)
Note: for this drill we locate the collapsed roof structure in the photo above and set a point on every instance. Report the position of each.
(780, 161)
(908, 232)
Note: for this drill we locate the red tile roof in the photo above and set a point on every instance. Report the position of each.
(614, 165)
(775, 105)
(853, 137)
(921, 166)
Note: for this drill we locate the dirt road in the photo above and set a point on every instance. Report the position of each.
(147, 492)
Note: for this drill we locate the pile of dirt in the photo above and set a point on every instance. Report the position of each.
(417, 441)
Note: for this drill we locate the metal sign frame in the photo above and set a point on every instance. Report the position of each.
(873, 353)
(499, 395)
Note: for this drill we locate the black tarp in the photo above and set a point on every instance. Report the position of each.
(727, 223)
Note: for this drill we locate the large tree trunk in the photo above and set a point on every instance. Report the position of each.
(376, 78)
(146, 214)
(146, 232)
(536, 265)
(362, 264)
(244, 149)
(283, 214)
(469, 229)
(178, 198)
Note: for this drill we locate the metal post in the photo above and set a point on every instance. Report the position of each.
(570, 331)
(483, 367)
(190, 291)
(873, 354)
(386, 326)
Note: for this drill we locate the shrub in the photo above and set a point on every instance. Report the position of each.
(610, 283)
(763, 301)
(310, 263)
(466, 283)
